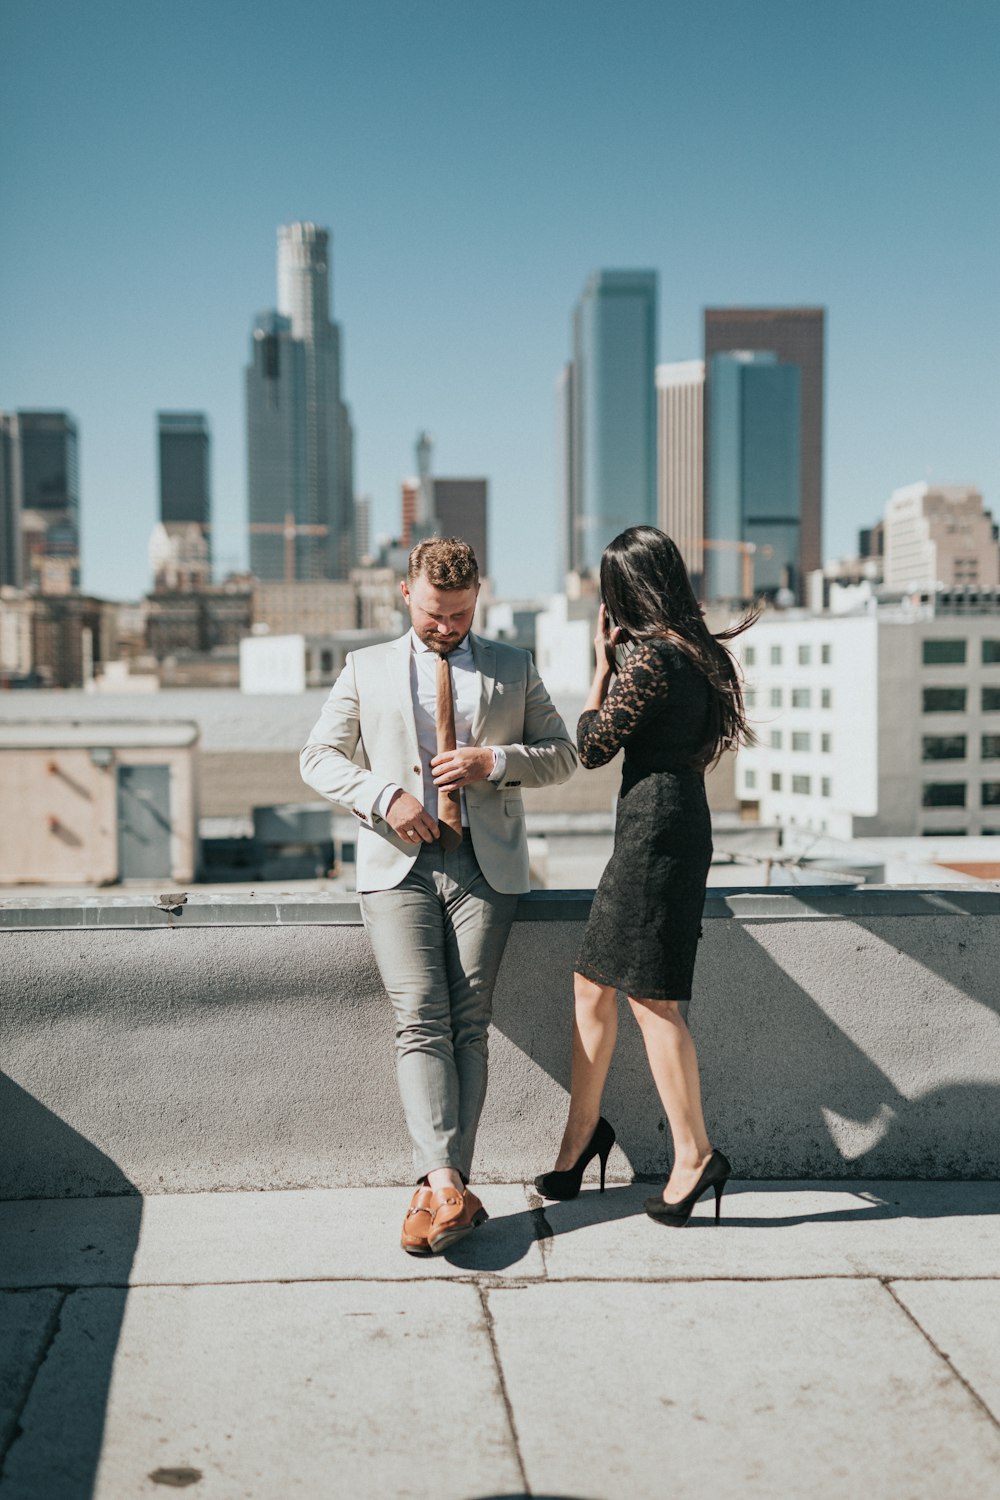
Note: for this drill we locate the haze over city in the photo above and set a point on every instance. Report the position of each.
(475, 164)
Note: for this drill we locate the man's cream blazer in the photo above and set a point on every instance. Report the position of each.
(366, 738)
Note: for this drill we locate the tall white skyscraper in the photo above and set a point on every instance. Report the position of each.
(680, 476)
(299, 436)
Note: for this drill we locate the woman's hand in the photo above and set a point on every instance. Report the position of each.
(605, 642)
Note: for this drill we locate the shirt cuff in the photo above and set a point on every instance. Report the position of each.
(499, 770)
(385, 796)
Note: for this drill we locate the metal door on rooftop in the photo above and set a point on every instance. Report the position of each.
(143, 822)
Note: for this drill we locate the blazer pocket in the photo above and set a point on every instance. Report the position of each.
(513, 807)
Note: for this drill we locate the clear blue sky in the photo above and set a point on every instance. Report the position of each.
(475, 162)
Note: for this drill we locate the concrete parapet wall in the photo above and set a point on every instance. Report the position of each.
(246, 1043)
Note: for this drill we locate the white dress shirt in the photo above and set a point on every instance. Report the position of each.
(423, 691)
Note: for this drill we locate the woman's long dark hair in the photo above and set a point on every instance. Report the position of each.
(647, 591)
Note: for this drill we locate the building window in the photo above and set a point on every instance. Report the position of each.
(775, 781)
(805, 655)
(326, 662)
(750, 697)
(945, 793)
(775, 697)
(991, 653)
(826, 743)
(826, 698)
(750, 779)
(990, 794)
(944, 653)
(946, 700)
(990, 748)
(943, 747)
(775, 739)
(825, 654)
(749, 656)
(801, 739)
(775, 656)
(801, 698)
(801, 785)
(991, 700)
(825, 787)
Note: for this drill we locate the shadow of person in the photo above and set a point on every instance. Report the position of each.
(63, 1286)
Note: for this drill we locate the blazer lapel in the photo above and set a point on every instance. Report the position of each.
(485, 659)
(398, 668)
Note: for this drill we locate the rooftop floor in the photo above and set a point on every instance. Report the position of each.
(828, 1340)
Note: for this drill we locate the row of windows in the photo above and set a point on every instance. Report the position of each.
(801, 785)
(936, 653)
(804, 655)
(951, 700)
(954, 747)
(800, 697)
(802, 739)
(952, 653)
(953, 793)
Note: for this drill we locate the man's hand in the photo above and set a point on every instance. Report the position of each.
(407, 817)
(457, 768)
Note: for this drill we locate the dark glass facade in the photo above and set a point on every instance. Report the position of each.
(183, 444)
(754, 472)
(460, 507)
(795, 335)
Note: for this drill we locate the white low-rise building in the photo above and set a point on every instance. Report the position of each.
(879, 723)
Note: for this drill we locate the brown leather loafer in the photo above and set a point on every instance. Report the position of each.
(455, 1214)
(417, 1223)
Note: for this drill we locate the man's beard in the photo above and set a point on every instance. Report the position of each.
(437, 643)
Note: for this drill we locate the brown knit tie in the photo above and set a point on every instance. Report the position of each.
(449, 803)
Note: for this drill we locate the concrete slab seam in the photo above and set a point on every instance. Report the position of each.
(541, 1228)
(504, 1393)
(946, 1358)
(7, 1440)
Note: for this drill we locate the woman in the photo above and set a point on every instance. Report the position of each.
(675, 706)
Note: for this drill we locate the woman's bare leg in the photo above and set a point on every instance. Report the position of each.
(595, 1030)
(673, 1062)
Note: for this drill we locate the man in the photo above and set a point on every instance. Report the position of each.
(429, 740)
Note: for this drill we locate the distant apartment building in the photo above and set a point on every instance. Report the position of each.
(680, 470)
(179, 558)
(299, 435)
(39, 502)
(320, 608)
(199, 623)
(753, 489)
(610, 422)
(876, 723)
(363, 527)
(460, 510)
(939, 536)
(795, 336)
(409, 494)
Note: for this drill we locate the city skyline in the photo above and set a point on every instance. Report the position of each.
(468, 213)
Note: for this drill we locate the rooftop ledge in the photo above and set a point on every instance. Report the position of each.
(311, 909)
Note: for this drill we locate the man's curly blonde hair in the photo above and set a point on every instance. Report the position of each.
(445, 562)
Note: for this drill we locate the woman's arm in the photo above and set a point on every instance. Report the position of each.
(610, 718)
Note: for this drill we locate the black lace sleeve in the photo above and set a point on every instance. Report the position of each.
(639, 692)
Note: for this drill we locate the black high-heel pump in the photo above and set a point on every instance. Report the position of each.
(563, 1185)
(715, 1175)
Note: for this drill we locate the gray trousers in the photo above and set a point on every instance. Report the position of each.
(438, 939)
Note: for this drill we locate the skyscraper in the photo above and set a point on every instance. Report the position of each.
(680, 438)
(795, 335)
(753, 471)
(183, 446)
(610, 478)
(39, 501)
(299, 436)
(460, 510)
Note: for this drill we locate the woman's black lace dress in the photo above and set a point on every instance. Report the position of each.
(645, 922)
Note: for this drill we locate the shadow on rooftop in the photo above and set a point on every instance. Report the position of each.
(55, 1398)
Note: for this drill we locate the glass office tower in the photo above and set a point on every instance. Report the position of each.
(183, 446)
(753, 471)
(40, 501)
(299, 435)
(611, 477)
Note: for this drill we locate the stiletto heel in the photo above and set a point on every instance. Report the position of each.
(565, 1185)
(715, 1175)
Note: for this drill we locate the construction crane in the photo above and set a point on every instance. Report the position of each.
(747, 551)
(290, 530)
